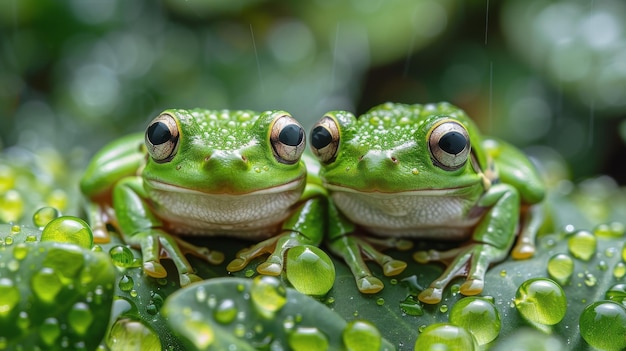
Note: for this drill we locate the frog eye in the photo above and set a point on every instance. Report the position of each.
(449, 145)
(325, 140)
(162, 138)
(288, 139)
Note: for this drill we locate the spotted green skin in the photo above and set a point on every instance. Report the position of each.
(383, 180)
(224, 179)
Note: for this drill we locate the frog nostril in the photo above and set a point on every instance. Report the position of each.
(244, 158)
(394, 159)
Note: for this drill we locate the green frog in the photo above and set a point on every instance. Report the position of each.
(404, 172)
(207, 173)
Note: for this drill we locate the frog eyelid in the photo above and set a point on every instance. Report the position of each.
(449, 144)
(325, 139)
(288, 139)
(161, 138)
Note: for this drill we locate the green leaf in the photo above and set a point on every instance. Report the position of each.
(52, 294)
(259, 314)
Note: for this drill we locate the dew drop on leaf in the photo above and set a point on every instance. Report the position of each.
(121, 256)
(268, 294)
(616, 293)
(603, 325)
(80, 318)
(225, 312)
(560, 268)
(582, 245)
(444, 336)
(50, 331)
(310, 270)
(46, 285)
(9, 296)
(126, 283)
(541, 300)
(308, 339)
(478, 316)
(361, 336)
(45, 215)
(619, 270)
(68, 229)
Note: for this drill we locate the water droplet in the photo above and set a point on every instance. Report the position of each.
(478, 316)
(602, 265)
(582, 245)
(126, 283)
(11, 206)
(411, 306)
(268, 294)
(443, 308)
(330, 300)
(541, 300)
(133, 293)
(20, 251)
(560, 268)
(616, 293)
(9, 296)
(503, 273)
(590, 279)
(8, 241)
(80, 318)
(44, 215)
(23, 321)
(50, 331)
(610, 230)
(305, 339)
(380, 301)
(249, 273)
(122, 256)
(619, 270)
(15, 229)
(126, 334)
(603, 325)
(46, 285)
(393, 281)
(225, 312)
(310, 270)
(361, 336)
(444, 336)
(68, 229)
(455, 289)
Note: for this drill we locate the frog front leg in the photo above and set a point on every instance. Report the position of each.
(491, 242)
(141, 228)
(354, 249)
(305, 226)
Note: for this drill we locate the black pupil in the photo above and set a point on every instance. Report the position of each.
(453, 142)
(159, 133)
(291, 135)
(320, 137)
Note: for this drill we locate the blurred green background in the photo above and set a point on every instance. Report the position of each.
(75, 74)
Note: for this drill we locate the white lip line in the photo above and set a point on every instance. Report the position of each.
(425, 192)
(273, 190)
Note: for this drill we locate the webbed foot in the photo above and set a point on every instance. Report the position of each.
(157, 244)
(471, 262)
(275, 246)
(355, 250)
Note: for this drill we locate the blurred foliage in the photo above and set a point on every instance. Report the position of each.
(82, 72)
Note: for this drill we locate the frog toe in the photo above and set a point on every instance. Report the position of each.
(431, 295)
(523, 251)
(154, 269)
(472, 287)
(369, 285)
(270, 268)
(237, 264)
(393, 267)
(188, 278)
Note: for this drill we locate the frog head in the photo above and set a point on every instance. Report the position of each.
(225, 152)
(395, 148)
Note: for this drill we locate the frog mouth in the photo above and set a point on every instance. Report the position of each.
(168, 187)
(382, 193)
